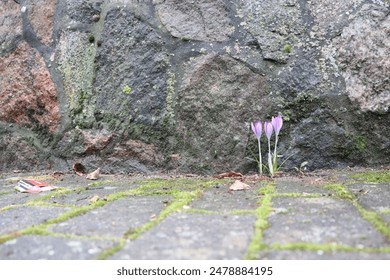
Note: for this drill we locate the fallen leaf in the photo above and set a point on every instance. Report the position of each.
(94, 199)
(153, 217)
(94, 175)
(239, 186)
(175, 157)
(229, 175)
(57, 173)
(79, 169)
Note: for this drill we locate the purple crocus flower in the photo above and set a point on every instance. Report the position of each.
(257, 129)
(277, 123)
(268, 132)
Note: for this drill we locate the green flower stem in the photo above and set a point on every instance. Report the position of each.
(260, 160)
(271, 170)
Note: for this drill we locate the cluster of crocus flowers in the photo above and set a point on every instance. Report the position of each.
(269, 127)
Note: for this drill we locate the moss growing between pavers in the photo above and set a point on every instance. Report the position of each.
(98, 184)
(385, 211)
(6, 237)
(59, 192)
(6, 208)
(261, 224)
(312, 247)
(35, 230)
(180, 199)
(111, 251)
(370, 216)
(305, 195)
(182, 184)
(75, 212)
(373, 176)
(183, 190)
(240, 212)
(325, 247)
(202, 211)
(340, 191)
(6, 192)
(209, 212)
(44, 203)
(375, 219)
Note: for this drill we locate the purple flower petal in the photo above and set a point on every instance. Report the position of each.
(268, 129)
(257, 128)
(277, 123)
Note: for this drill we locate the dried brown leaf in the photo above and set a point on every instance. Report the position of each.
(94, 175)
(239, 186)
(57, 174)
(94, 199)
(230, 174)
(79, 169)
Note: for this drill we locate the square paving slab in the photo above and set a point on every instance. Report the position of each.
(219, 199)
(298, 185)
(193, 236)
(16, 198)
(33, 247)
(22, 217)
(320, 220)
(372, 196)
(114, 219)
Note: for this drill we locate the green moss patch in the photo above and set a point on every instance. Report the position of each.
(181, 184)
(7, 237)
(340, 191)
(375, 219)
(305, 195)
(180, 200)
(370, 216)
(373, 176)
(10, 207)
(6, 192)
(111, 251)
(262, 213)
(325, 247)
(385, 211)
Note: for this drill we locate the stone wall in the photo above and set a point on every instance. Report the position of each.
(141, 85)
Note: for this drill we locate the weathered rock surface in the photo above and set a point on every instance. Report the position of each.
(363, 55)
(204, 20)
(41, 15)
(28, 94)
(217, 98)
(134, 85)
(10, 26)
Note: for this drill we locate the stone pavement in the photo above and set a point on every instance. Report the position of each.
(335, 214)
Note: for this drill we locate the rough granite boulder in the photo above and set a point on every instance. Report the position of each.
(217, 99)
(28, 94)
